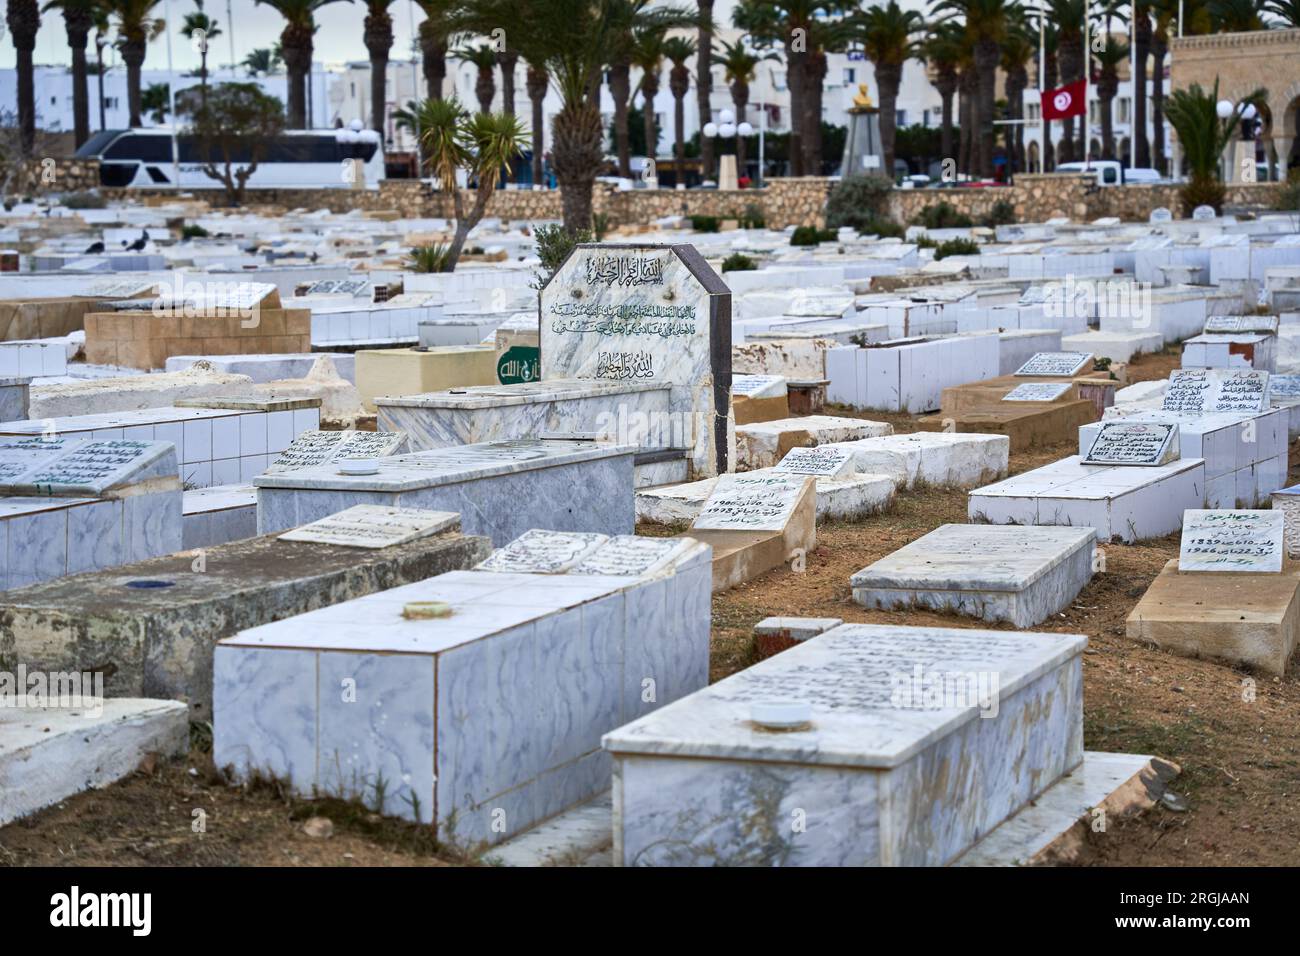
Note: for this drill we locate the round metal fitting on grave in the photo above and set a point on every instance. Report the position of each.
(781, 714)
(425, 610)
(145, 584)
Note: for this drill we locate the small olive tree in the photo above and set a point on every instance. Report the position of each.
(233, 129)
(482, 144)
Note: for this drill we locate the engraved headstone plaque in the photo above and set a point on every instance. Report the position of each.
(1134, 443)
(374, 526)
(543, 552)
(1200, 391)
(1064, 364)
(628, 555)
(1037, 392)
(761, 501)
(654, 314)
(1245, 541)
(315, 447)
(1263, 324)
(821, 461)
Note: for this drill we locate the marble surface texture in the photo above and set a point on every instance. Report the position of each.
(487, 721)
(872, 780)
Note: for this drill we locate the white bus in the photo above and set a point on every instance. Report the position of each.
(298, 159)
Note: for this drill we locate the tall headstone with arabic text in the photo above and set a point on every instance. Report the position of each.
(647, 314)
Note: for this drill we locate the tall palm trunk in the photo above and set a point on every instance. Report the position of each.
(987, 55)
(433, 57)
(1159, 48)
(78, 21)
(1142, 47)
(704, 82)
(888, 78)
(945, 82)
(24, 18)
(1051, 78)
(485, 88)
(296, 50)
(537, 84)
(740, 99)
(620, 89)
(1107, 88)
(815, 78)
(795, 69)
(577, 142)
(1017, 81)
(968, 85)
(1070, 58)
(99, 76)
(649, 89)
(509, 61)
(679, 83)
(378, 38)
(133, 56)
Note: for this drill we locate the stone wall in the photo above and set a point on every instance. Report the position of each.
(42, 175)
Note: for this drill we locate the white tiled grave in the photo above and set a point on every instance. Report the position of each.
(49, 753)
(501, 489)
(839, 498)
(1230, 350)
(885, 772)
(992, 572)
(909, 375)
(763, 444)
(486, 721)
(940, 459)
(215, 446)
(219, 514)
(1120, 502)
(69, 505)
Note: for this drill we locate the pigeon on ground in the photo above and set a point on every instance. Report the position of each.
(94, 248)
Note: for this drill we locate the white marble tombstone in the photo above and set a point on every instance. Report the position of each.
(646, 314)
(1134, 443)
(1160, 214)
(1227, 540)
(1204, 213)
(1064, 364)
(822, 461)
(1200, 391)
(374, 526)
(1037, 392)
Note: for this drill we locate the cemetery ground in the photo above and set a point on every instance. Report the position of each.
(1237, 800)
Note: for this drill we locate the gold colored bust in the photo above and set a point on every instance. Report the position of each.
(863, 100)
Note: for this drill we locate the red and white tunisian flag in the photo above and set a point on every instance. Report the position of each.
(1065, 101)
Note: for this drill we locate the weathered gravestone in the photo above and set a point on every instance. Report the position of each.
(755, 522)
(1204, 213)
(1241, 541)
(1063, 364)
(646, 313)
(1134, 443)
(313, 448)
(374, 526)
(1037, 392)
(1200, 391)
(1265, 324)
(1160, 214)
(543, 552)
(1230, 595)
(821, 461)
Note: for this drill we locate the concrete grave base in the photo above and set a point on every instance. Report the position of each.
(1027, 425)
(1242, 618)
(1116, 346)
(50, 753)
(763, 444)
(740, 556)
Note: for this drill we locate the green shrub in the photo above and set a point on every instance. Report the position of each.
(600, 225)
(925, 242)
(942, 215)
(857, 201)
(880, 226)
(431, 258)
(83, 201)
(554, 243)
(1002, 214)
(811, 236)
(738, 262)
(705, 223)
(194, 231)
(1288, 200)
(752, 217)
(956, 247)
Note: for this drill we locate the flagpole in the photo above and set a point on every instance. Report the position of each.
(1087, 82)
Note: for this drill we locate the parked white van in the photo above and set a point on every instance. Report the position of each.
(1110, 172)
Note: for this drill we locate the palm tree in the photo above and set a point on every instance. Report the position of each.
(739, 66)
(378, 37)
(296, 42)
(648, 56)
(484, 59)
(986, 23)
(679, 50)
(136, 26)
(200, 29)
(1203, 136)
(263, 61)
(537, 84)
(704, 81)
(24, 19)
(1018, 51)
(888, 35)
(1067, 17)
(1050, 79)
(155, 101)
(434, 38)
(99, 14)
(78, 19)
(968, 84)
(781, 24)
(1288, 11)
(1141, 50)
(481, 144)
(828, 33)
(1109, 58)
(1241, 16)
(942, 49)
